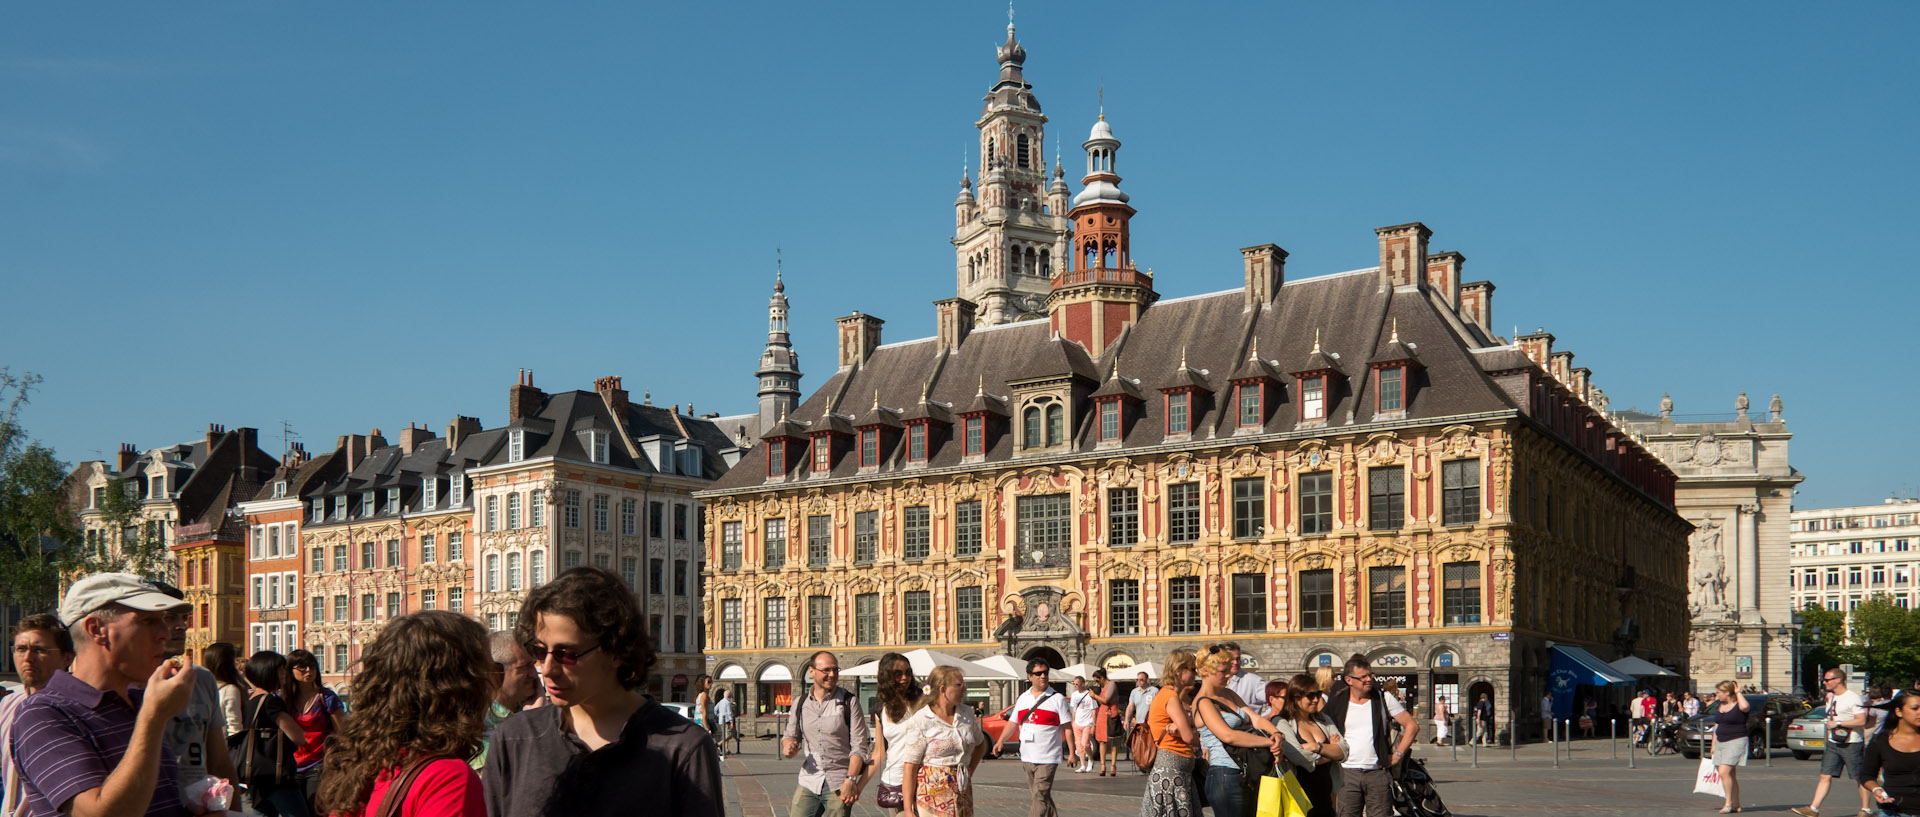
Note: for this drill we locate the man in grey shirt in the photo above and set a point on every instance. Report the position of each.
(826, 721)
(198, 735)
(1140, 700)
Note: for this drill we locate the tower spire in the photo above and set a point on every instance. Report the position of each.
(779, 372)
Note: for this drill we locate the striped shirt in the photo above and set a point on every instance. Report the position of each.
(68, 737)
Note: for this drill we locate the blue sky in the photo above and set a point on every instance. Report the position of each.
(352, 217)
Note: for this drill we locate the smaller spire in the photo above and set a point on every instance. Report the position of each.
(1115, 373)
(983, 386)
(1396, 331)
(876, 399)
(779, 263)
(1183, 356)
(1102, 94)
(1316, 340)
(1253, 353)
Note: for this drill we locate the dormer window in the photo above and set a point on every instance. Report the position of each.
(1390, 388)
(393, 500)
(516, 444)
(976, 433)
(1109, 421)
(776, 457)
(1251, 396)
(279, 489)
(318, 511)
(457, 490)
(340, 506)
(917, 442)
(869, 447)
(1177, 406)
(366, 504)
(822, 453)
(1043, 423)
(159, 489)
(1313, 398)
(598, 443)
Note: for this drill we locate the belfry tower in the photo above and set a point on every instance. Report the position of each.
(1010, 237)
(779, 365)
(1101, 292)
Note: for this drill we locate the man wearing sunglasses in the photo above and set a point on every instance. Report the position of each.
(826, 722)
(1041, 719)
(1362, 714)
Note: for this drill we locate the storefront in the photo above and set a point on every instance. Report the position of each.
(734, 678)
(775, 691)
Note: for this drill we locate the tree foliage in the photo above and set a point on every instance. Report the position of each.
(1884, 641)
(35, 521)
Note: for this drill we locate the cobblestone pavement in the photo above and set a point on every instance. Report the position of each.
(1588, 781)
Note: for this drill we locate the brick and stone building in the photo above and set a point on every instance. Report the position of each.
(276, 564)
(1345, 463)
(1736, 487)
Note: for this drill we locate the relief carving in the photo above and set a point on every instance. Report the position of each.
(1708, 599)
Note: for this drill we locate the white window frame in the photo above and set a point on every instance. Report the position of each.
(457, 489)
(516, 444)
(599, 444)
(429, 493)
(258, 585)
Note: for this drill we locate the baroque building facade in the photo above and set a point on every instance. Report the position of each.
(1736, 487)
(1351, 463)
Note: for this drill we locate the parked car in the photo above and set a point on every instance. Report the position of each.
(1783, 709)
(1807, 735)
(684, 710)
(993, 725)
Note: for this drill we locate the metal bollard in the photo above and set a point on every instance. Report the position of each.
(1613, 730)
(1552, 743)
(1455, 742)
(1476, 754)
(1630, 748)
(1766, 742)
(1513, 735)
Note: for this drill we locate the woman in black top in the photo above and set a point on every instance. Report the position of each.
(265, 756)
(1730, 715)
(1895, 755)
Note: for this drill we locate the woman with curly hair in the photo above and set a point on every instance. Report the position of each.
(1170, 720)
(424, 683)
(603, 746)
(899, 694)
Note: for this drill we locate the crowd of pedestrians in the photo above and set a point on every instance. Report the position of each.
(448, 721)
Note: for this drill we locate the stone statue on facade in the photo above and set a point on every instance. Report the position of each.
(1774, 407)
(1666, 406)
(1709, 597)
(1740, 404)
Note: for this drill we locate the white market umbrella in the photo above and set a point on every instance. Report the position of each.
(1015, 668)
(1083, 670)
(924, 660)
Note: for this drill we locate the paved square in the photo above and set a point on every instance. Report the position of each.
(1589, 781)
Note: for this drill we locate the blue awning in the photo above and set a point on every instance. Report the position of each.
(1574, 667)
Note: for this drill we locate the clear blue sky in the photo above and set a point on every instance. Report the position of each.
(356, 216)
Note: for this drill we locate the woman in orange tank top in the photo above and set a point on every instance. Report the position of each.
(1170, 720)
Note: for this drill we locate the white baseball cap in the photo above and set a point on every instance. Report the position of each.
(101, 589)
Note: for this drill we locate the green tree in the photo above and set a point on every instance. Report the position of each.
(1886, 639)
(35, 522)
(142, 543)
(1829, 650)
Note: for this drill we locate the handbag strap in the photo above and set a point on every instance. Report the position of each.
(396, 794)
(252, 736)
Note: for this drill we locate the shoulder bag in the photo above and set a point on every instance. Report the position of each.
(247, 767)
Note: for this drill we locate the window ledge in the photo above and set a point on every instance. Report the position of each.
(1043, 572)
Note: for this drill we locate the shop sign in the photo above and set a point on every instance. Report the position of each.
(1394, 660)
(1324, 659)
(1743, 666)
(1503, 636)
(1248, 662)
(1117, 663)
(1444, 659)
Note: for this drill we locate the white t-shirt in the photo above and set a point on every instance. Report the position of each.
(1844, 707)
(1041, 738)
(896, 735)
(1359, 732)
(1084, 705)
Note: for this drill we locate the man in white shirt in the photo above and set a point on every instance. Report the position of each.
(1846, 743)
(1363, 715)
(1546, 716)
(1040, 717)
(723, 719)
(1246, 684)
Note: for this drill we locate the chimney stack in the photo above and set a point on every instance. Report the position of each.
(1476, 305)
(1266, 267)
(126, 457)
(1582, 382)
(411, 438)
(1443, 276)
(458, 429)
(214, 430)
(1538, 346)
(616, 397)
(523, 400)
(354, 446)
(953, 320)
(859, 336)
(1403, 254)
(1561, 365)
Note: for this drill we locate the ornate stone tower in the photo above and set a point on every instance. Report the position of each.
(1009, 238)
(1100, 292)
(779, 365)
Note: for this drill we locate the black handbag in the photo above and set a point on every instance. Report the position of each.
(247, 766)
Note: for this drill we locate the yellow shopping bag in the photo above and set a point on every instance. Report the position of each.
(1281, 797)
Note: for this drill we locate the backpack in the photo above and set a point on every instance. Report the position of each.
(258, 746)
(847, 710)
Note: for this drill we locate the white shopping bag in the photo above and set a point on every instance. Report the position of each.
(1707, 781)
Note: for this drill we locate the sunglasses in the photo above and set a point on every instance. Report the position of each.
(567, 657)
(1036, 674)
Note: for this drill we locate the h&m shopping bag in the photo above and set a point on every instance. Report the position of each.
(1707, 780)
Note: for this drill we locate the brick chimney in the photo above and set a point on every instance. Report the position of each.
(1443, 276)
(1403, 254)
(125, 458)
(413, 436)
(1476, 305)
(1538, 346)
(458, 429)
(1561, 365)
(523, 400)
(354, 446)
(859, 336)
(214, 431)
(295, 457)
(616, 397)
(1582, 383)
(1266, 267)
(953, 320)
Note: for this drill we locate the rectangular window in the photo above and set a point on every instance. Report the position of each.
(456, 551)
(366, 556)
(368, 505)
(319, 560)
(319, 613)
(869, 447)
(318, 511)
(629, 517)
(429, 599)
(819, 540)
(967, 531)
(681, 513)
(273, 542)
(1109, 421)
(866, 618)
(1460, 599)
(1183, 512)
(1249, 602)
(680, 578)
(393, 605)
(1177, 413)
(513, 511)
(429, 493)
(866, 536)
(492, 580)
(656, 576)
(916, 532)
(571, 514)
(491, 520)
(1123, 606)
(774, 545)
(822, 453)
(1386, 498)
(259, 593)
(976, 436)
(1313, 393)
(1387, 597)
(601, 443)
(339, 557)
(1460, 492)
(917, 611)
(1045, 530)
(516, 445)
(1316, 502)
(1123, 517)
(819, 621)
(969, 614)
(1249, 405)
(457, 599)
(1390, 389)
(601, 505)
(1249, 508)
(730, 546)
(917, 442)
(1316, 599)
(366, 607)
(1183, 605)
(656, 520)
(457, 490)
(339, 608)
(393, 553)
(773, 631)
(537, 508)
(730, 624)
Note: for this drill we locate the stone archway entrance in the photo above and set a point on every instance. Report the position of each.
(1476, 728)
(1048, 654)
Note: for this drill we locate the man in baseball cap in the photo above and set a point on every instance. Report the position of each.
(91, 741)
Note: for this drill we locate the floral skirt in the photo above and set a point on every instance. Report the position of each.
(1169, 787)
(938, 795)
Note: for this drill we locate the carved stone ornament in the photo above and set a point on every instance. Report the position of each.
(1181, 569)
(1315, 561)
(1246, 461)
(1120, 569)
(1384, 450)
(1120, 473)
(1462, 553)
(1706, 451)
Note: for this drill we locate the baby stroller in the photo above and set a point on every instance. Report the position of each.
(1413, 792)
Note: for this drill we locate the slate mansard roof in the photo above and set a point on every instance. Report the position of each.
(1350, 314)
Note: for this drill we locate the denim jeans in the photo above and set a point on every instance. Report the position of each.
(1227, 793)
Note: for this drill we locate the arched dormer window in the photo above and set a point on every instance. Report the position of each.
(1056, 424)
(1030, 422)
